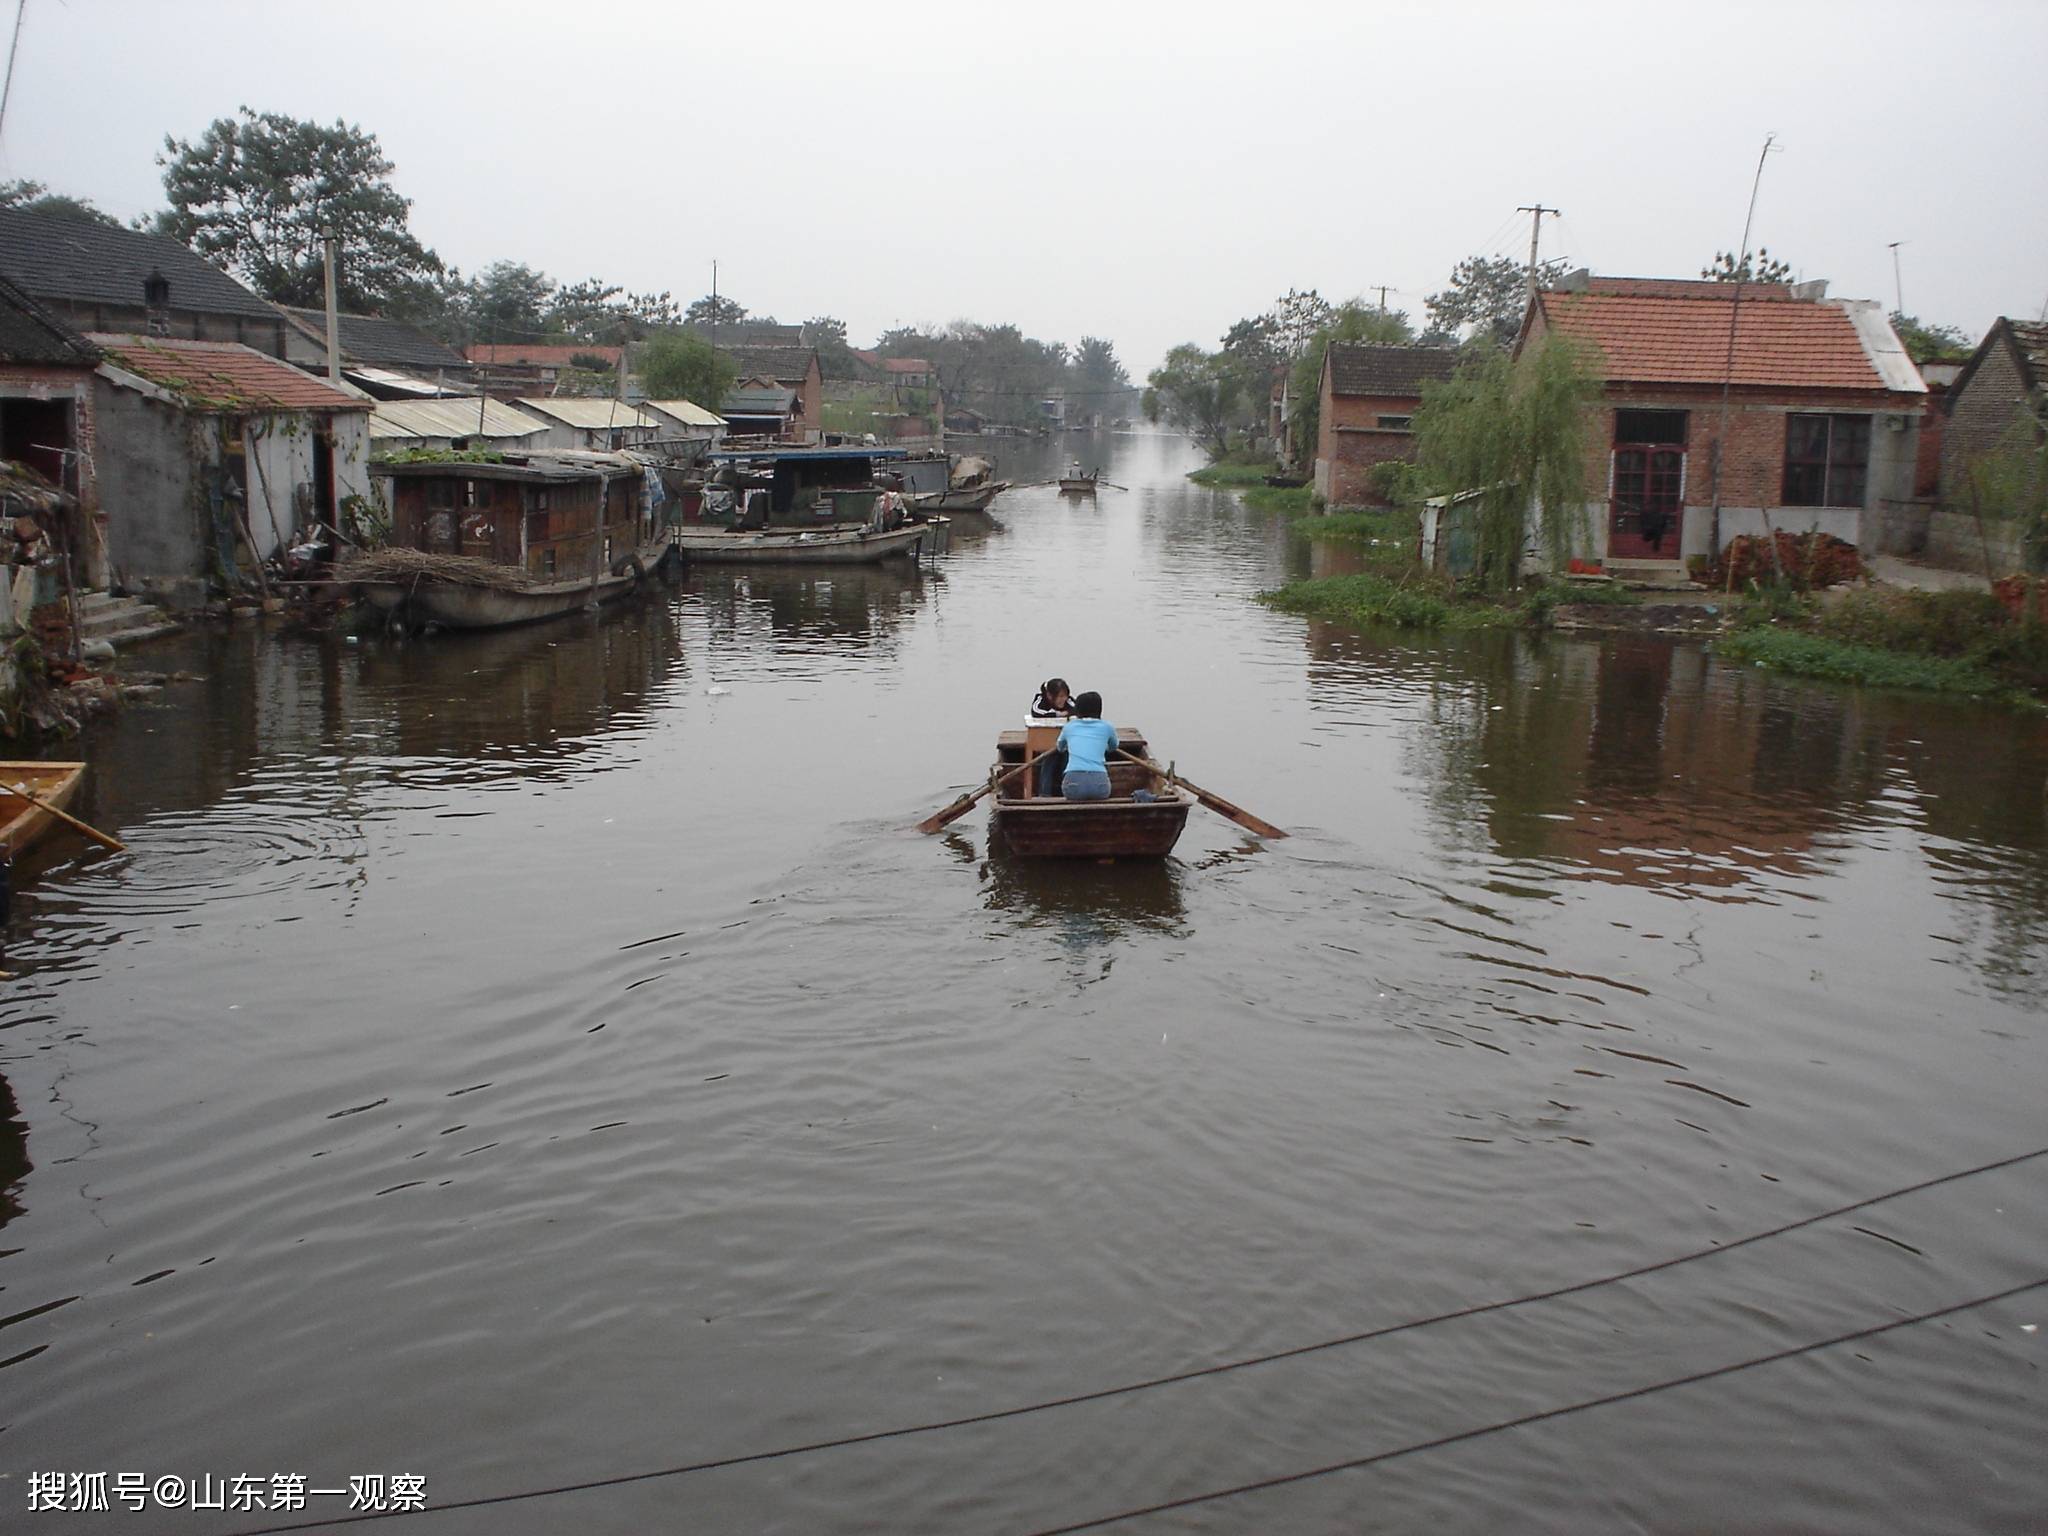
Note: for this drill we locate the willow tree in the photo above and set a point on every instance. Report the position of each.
(1508, 433)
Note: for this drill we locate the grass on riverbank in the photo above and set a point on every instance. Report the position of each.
(1231, 475)
(1939, 642)
(1403, 595)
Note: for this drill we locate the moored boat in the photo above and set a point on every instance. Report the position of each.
(458, 601)
(961, 499)
(1030, 825)
(835, 544)
(22, 821)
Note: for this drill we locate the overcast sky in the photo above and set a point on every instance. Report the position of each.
(1143, 172)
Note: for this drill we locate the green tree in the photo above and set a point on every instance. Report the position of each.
(2007, 483)
(255, 192)
(1511, 431)
(509, 301)
(835, 353)
(1198, 392)
(675, 365)
(708, 312)
(1761, 268)
(33, 197)
(1487, 294)
(1929, 343)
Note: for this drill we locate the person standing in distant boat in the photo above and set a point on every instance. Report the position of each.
(1087, 740)
(1054, 702)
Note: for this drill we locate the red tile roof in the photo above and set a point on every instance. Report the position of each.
(223, 375)
(906, 365)
(542, 356)
(1677, 333)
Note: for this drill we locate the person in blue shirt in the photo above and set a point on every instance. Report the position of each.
(1087, 739)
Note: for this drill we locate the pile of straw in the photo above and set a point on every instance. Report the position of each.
(410, 565)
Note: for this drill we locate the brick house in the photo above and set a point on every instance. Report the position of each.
(95, 277)
(792, 368)
(1823, 415)
(47, 417)
(1368, 394)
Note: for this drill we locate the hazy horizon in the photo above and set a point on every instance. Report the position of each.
(1145, 174)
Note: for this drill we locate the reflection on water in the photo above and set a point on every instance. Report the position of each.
(512, 1056)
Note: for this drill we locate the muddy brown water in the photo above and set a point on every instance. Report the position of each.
(529, 1058)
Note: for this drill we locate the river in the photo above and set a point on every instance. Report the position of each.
(517, 1060)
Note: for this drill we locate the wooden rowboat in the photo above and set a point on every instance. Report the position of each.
(969, 499)
(21, 822)
(456, 605)
(1035, 827)
(1077, 485)
(837, 545)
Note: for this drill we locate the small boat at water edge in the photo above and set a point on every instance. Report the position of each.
(833, 544)
(416, 589)
(962, 499)
(1077, 481)
(1035, 826)
(22, 821)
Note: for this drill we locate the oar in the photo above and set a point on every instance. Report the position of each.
(1216, 803)
(952, 813)
(66, 817)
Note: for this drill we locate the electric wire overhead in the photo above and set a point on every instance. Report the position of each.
(1196, 1373)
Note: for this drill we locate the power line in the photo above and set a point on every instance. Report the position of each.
(7, 90)
(1463, 1435)
(1479, 1309)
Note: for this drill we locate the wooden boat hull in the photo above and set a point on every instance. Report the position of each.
(838, 546)
(1077, 487)
(1117, 828)
(453, 605)
(22, 823)
(975, 500)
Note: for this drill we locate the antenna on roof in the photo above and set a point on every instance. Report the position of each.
(1898, 283)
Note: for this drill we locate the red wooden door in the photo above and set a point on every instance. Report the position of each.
(1644, 519)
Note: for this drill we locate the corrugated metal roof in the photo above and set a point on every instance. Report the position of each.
(687, 412)
(450, 416)
(1881, 345)
(599, 415)
(387, 378)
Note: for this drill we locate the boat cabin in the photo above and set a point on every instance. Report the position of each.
(553, 519)
(796, 487)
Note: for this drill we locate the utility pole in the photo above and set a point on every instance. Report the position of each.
(1383, 297)
(714, 303)
(1535, 212)
(328, 242)
(1898, 283)
(1728, 369)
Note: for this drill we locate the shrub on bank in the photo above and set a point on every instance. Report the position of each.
(1810, 655)
(1806, 562)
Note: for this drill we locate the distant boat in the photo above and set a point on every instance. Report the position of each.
(21, 821)
(1077, 481)
(1032, 826)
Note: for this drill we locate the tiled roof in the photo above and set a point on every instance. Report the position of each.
(90, 263)
(31, 334)
(1656, 336)
(2030, 339)
(549, 355)
(376, 340)
(906, 365)
(788, 364)
(1374, 368)
(223, 376)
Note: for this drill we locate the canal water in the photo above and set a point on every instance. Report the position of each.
(525, 1059)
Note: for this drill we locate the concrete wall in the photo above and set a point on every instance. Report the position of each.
(266, 336)
(281, 476)
(152, 492)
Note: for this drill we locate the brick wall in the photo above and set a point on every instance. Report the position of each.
(1350, 442)
(1979, 414)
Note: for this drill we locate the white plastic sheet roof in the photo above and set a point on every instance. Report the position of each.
(451, 416)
